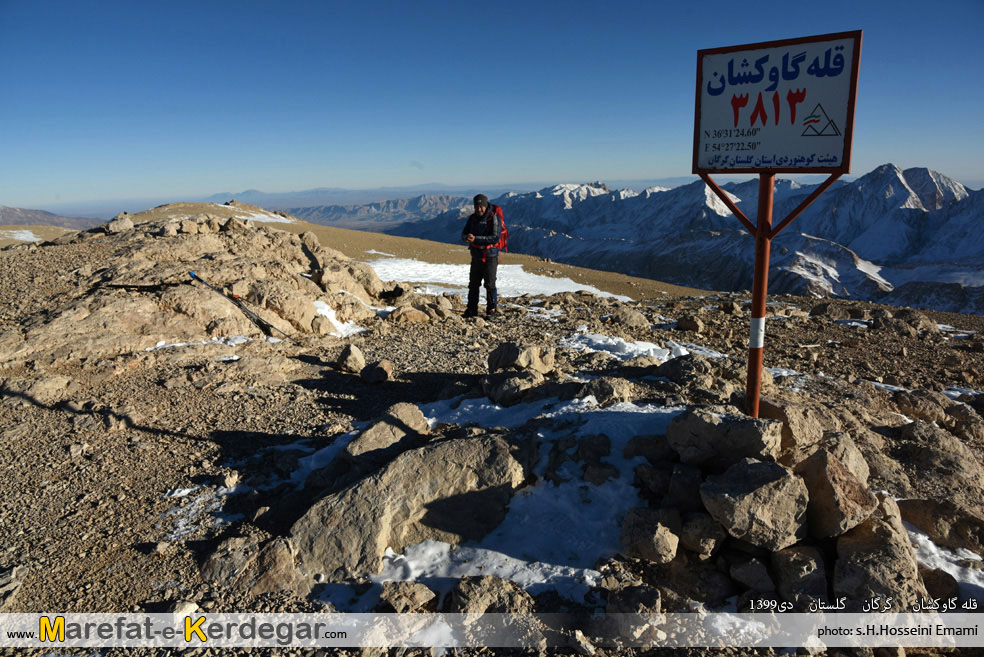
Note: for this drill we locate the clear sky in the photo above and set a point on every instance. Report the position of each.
(175, 98)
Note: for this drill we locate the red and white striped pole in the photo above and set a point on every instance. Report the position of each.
(760, 287)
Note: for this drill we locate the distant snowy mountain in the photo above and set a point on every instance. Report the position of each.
(912, 237)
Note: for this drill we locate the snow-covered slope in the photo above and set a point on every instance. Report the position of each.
(890, 232)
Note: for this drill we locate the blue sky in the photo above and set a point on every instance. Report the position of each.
(175, 99)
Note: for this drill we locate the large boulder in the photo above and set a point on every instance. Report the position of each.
(876, 559)
(838, 501)
(715, 437)
(946, 523)
(447, 491)
(801, 577)
(761, 503)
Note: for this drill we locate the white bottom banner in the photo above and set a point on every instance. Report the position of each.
(950, 630)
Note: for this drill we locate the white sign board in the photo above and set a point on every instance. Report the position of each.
(780, 106)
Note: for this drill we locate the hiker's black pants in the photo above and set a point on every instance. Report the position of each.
(483, 271)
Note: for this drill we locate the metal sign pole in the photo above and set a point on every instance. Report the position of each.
(760, 290)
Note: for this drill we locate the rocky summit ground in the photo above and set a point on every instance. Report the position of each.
(157, 439)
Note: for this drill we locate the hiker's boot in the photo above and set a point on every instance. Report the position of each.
(491, 313)
(470, 312)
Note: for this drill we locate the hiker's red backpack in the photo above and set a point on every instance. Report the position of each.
(504, 235)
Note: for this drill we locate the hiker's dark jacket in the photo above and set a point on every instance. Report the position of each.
(486, 229)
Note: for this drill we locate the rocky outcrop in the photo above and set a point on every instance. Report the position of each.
(876, 560)
(761, 503)
(449, 491)
(716, 437)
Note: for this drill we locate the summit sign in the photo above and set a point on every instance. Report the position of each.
(778, 106)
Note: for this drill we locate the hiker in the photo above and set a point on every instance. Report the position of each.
(482, 231)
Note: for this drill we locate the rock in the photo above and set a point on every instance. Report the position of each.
(507, 390)
(608, 390)
(10, 582)
(652, 482)
(282, 298)
(448, 491)
(378, 372)
(876, 559)
(351, 359)
(636, 611)
(917, 320)
(121, 223)
(761, 503)
(683, 492)
(184, 608)
(924, 405)
(475, 596)
(408, 598)
(189, 227)
(50, 390)
(687, 370)
(715, 437)
(939, 462)
(842, 446)
(946, 523)
(939, 583)
(803, 426)
(629, 318)
(896, 326)
(800, 576)
(693, 324)
(407, 315)
(651, 534)
(509, 355)
(829, 310)
(838, 501)
(399, 421)
(752, 574)
(242, 564)
(730, 308)
(702, 534)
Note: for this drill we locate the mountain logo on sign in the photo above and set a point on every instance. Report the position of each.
(817, 118)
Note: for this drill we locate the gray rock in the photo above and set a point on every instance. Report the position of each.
(507, 390)
(510, 355)
(761, 503)
(351, 359)
(630, 318)
(608, 390)
(702, 534)
(475, 596)
(753, 574)
(716, 437)
(800, 576)
(378, 372)
(651, 534)
(838, 501)
(121, 223)
(803, 426)
(242, 564)
(947, 524)
(399, 421)
(448, 491)
(876, 559)
(683, 492)
(693, 324)
(408, 597)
